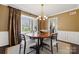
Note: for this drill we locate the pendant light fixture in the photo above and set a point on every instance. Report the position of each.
(42, 16)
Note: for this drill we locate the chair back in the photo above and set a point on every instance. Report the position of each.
(22, 39)
(54, 36)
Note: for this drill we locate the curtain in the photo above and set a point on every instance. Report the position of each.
(14, 26)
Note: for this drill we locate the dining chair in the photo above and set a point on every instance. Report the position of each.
(22, 43)
(54, 42)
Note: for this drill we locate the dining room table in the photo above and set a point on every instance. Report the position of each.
(40, 37)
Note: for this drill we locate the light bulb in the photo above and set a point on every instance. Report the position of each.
(39, 19)
(43, 19)
(39, 16)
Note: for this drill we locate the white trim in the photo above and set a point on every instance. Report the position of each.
(64, 11)
(69, 36)
(4, 38)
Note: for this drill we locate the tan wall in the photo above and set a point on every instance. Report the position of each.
(4, 10)
(67, 22)
(42, 24)
(3, 18)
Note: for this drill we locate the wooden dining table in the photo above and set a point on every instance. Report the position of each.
(39, 37)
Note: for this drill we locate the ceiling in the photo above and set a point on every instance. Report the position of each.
(49, 9)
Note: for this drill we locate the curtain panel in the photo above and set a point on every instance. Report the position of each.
(14, 26)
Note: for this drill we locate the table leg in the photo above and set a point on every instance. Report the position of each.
(42, 43)
(51, 47)
(38, 47)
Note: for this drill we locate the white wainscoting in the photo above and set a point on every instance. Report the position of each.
(3, 38)
(68, 36)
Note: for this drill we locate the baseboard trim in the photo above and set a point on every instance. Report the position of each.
(6, 46)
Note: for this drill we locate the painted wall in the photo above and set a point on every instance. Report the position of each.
(69, 36)
(4, 38)
(4, 18)
(68, 21)
(42, 24)
(68, 26)
(3, 25)
(4, 10)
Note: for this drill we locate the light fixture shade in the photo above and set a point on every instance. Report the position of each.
(42, 16)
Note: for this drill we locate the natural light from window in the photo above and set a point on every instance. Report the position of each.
(26, 24)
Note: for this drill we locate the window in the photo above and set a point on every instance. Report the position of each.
(53, 24)
(26, 24)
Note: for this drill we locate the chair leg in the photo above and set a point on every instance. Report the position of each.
(24, 48)
(57, 46)
(20, 49)
(51, 47)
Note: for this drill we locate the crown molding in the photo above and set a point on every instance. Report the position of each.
(63, 12)
(27, 13)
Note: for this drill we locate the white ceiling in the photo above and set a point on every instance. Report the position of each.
(49, 9)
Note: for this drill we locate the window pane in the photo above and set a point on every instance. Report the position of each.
(25, 23)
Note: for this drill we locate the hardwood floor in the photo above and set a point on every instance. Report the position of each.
(67, 48)
(75, 49)
(63, 48)
(3, 49)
